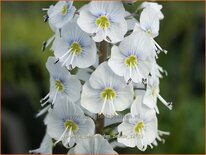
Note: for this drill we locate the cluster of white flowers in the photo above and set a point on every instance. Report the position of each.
(128, 78)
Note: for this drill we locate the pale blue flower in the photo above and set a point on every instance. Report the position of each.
(105, 92)
(93, 145)
(62, 83)
(60, 14)
(139, 128)
(104, 20)
(75, 48)
(66, 122)
(153, 93)
(132, 59)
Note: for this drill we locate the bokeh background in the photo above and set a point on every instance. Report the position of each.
(25, 79)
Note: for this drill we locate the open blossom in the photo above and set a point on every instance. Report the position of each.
(132, 58)
(149, 24)
(139, 128)
(75, 48)
(155, 6)
(46, 146)
(60, 14)
(93, 145)
(104, 20)
(152, 93)
(105, 92)
(62, 83)
(67, 123)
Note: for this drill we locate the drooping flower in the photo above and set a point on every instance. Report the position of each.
(45, 147)
(60, 14)
(132, 58)
(104, 20)
(149, 24)
(75, 47)
(139, 128)
(155, 6)
(66, 122)
(105, 92)
(93, 145)
(152, 93)
(62, 83)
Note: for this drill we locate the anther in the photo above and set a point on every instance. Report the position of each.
(45, 17)
(44, 46)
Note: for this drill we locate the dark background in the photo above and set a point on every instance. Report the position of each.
(25, 79)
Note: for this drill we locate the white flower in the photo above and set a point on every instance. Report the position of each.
(105, 92)
(62, 83)
(104, 20)
(139, 128)
(132, 58)
(66, 122)
(60, 14)
(155, 6)
(45, 147)
(75, 48)
(152, 93)
(149, 24)
(93, 145)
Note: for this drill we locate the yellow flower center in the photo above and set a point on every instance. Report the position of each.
(153, 91)
(103, 22)
(131, 61)
(75, 48)
(70, 124)
(108, 94)
(64, 10)
(139, 127)
(59, 85)
(149, 32)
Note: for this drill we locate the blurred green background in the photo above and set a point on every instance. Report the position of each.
(25, 79)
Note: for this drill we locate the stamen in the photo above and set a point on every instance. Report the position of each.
(108, 38)
(45, 9)
(65, 54)
(103, 106)
(167, 104)
(113, 107)
(45, 17)
(43, 104)
(67, 59)
(44, 98)
(129, 81)
(44, 45)
(56, 61)
(70, 134)
(47, 43)
(158, 46)
(138, 72)
(61, 137)
(60, 33)
(52, 105)
(161, 133)
(73, 55)
(130, 72)
(43, 111)
(151, 146)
